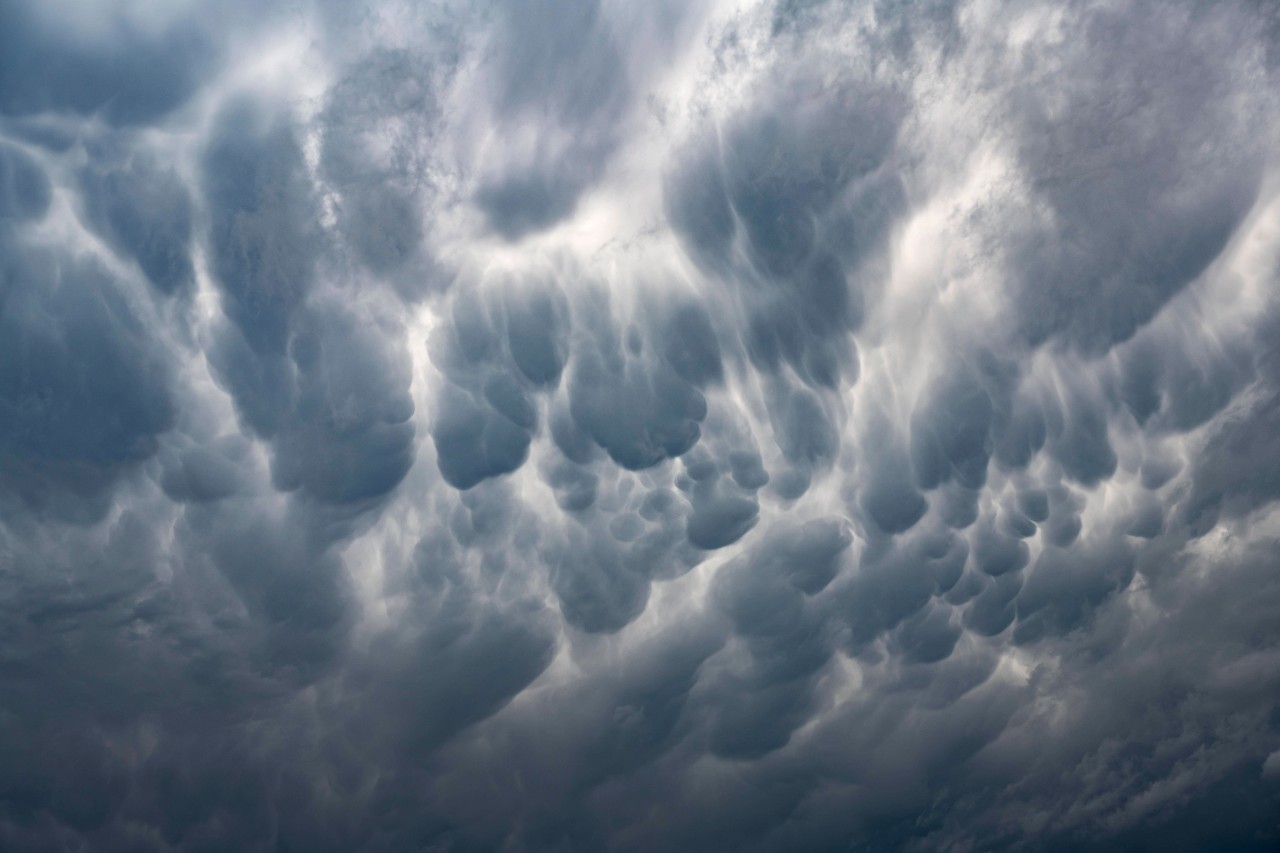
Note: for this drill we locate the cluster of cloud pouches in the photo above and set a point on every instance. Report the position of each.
(573, 425)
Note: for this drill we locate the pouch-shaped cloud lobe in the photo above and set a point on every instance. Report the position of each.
(576, 426)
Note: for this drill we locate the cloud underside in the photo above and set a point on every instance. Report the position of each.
(581, 426)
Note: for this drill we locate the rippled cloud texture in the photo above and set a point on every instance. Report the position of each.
(577, 425)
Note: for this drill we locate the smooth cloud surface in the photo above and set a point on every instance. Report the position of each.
(583, 425)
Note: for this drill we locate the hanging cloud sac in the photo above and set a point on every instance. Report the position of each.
(127, 71)
(145, 213)
(85, 393)
(376, 127)
(582, 426)
(557, 61)
(1165, 196)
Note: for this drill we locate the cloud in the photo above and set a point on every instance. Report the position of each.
(84, 387)
(587, 426)
(123, 71)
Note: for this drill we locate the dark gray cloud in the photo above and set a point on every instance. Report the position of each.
(84, 387)
(25, 186)
(379, 119)
(144, 212)
(1145, 199)
(640, 406)
(556, 67)
(99, 63)
(264, 234)
(594, 426)
(324, 381)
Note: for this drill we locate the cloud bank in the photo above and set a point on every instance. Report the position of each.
(583, 425)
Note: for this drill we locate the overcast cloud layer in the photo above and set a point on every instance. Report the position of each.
(581, 425)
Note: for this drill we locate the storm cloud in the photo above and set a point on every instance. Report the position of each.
(576, 425)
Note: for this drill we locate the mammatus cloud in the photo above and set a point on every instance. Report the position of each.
(574, 426)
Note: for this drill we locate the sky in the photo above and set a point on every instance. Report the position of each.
(680, 425)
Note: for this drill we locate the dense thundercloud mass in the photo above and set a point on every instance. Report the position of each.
(594, 425)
